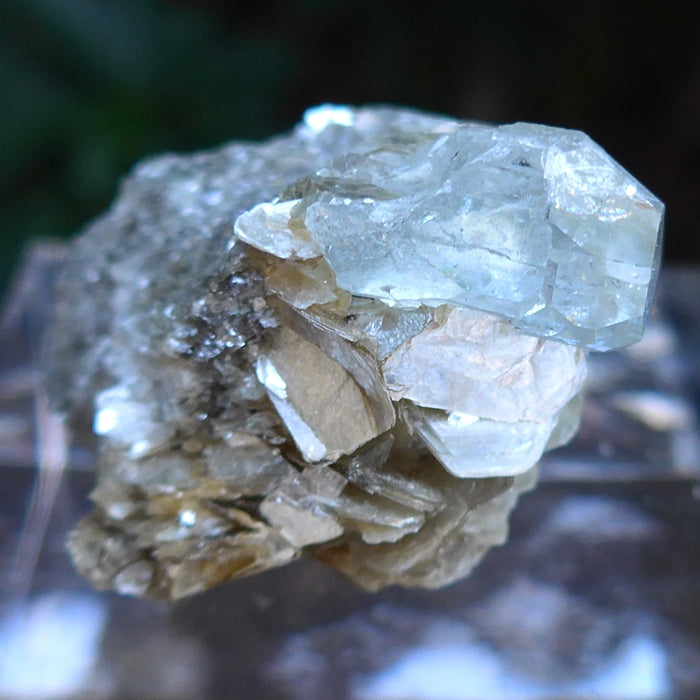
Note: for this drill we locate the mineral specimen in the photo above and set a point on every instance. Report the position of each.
(354, 341)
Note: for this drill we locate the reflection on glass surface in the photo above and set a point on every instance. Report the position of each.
(56, 634)
(596, 594)
(454, 664)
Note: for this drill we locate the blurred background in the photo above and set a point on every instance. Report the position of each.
(88, 88)
(596, 594)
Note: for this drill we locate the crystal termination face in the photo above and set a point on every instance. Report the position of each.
(353, 342)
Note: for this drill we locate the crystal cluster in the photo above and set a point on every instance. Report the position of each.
(354, 341)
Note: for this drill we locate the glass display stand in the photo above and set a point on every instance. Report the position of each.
(595, 594)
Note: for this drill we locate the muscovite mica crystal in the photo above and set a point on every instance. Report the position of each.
(354, 341)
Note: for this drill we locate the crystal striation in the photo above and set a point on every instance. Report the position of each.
(344, 342)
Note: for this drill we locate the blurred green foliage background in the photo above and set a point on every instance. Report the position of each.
(88, 87)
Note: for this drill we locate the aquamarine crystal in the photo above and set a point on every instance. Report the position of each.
(534, 223)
